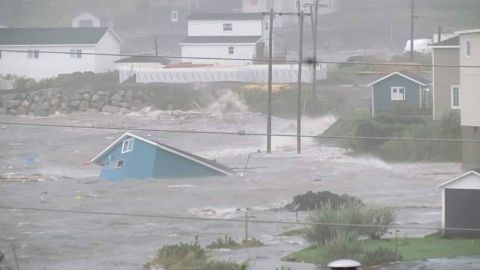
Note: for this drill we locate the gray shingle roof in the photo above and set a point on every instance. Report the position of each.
(219, 39)
(44, 36)
(226, 16)
(455, 41)
(408, 75)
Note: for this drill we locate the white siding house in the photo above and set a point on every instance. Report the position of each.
(233, 35)
(24, 51)
(87, 19)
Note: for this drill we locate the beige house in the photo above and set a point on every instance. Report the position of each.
(446, 80)
(470, 95)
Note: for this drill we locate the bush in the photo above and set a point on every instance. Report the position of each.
(347, 214)
(380, 256)
(398, 150)
(312, 201)
(228, 242)
(189, 257)
(346, 246)
(382, 217)
(328, 234)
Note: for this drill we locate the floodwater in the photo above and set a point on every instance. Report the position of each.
(50, 240)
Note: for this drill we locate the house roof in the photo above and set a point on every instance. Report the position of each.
(451, 42)
(225, 16)
(471, 31)
(220, 39)
(197, 159)
(44, 36)
(144, 59)
(407, 75)
(458, 178)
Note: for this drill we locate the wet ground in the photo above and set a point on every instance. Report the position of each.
(49, 240)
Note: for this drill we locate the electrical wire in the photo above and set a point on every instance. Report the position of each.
(241, 133)
(258, 221)
(307, 61)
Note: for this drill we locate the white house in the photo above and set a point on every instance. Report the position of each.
(460, 200)
(87, 19)
(251, 6)
(227, 35)
(41, 53)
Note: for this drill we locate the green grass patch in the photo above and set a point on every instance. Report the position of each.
(409, 248)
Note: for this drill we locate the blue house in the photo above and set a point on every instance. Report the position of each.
(135, 157)
(401, 91)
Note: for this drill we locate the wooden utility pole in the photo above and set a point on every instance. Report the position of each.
(412, 29)
(315, 40)
(270, 70)
(439, 34)
(156, 46)
(299, 96)
(246, 227)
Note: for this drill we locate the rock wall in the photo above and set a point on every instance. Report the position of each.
(47, 102)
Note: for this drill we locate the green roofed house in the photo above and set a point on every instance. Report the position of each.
(41, 53)
(402, 92)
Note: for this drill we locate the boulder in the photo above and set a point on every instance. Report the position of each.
(111, 109)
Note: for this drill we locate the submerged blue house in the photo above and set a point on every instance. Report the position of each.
(135, 157)
(401, 90)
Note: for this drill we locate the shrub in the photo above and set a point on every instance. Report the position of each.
(312, 201)
(382, 217)
(328, 234)
(346, 246)
(380, 256)
(228, 242)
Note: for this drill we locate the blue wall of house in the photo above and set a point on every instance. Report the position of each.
(138, 164)
(168, 165)
(382, 94)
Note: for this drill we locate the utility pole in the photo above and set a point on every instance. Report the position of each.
(270, 67)
(156, 46)
(412, 28)
(315, 36)
(439, 34)
(299, 96)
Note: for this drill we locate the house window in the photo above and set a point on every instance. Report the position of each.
(467, 48)
(398, 93)
(455, 97)
(174, 16)
(127, 145)
(35, 54)
(75, 53)
(227, 27)
(119, 164)
(266, 25)
(231, 50)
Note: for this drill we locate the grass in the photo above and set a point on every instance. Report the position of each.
(409, 248)
(229, 243)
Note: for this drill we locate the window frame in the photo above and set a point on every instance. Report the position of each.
(33, 54)
(75, 53)
(127, 145)
(395, 93)
(119, 164)
(452, 99)
(228, 27)
(174, 16)
(231, 50)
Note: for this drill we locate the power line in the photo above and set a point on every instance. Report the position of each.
(241, 133)
(266, 60)
(258, 221)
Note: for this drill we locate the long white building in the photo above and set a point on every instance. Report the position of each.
(25, 51)
(225, 35)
